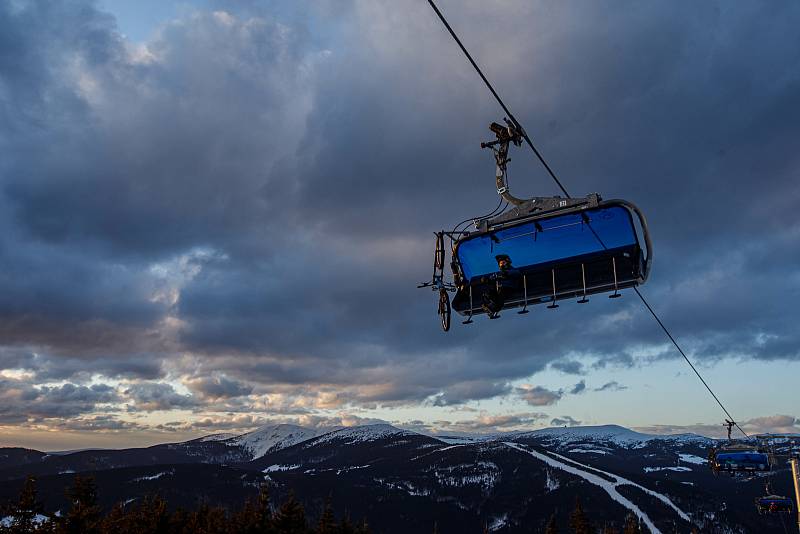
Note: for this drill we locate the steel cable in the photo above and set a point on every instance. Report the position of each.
(563, 189)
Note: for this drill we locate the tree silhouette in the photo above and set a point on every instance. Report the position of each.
(578, 521)
(631, 525)
(151, 515)
(552, 526)
(206, 520)
(290, 517)
(23, 513)
(362, 528)
(327, 521)
(83, 517)
(256, 516)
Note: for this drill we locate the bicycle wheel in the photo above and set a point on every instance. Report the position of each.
(438, 261)
(444, 309)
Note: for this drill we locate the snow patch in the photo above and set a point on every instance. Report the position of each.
(692, 459)
(404, 485)
(154, 477)
(676, 468)
(552, 483)
(217, 437)
(450, 447)
(498, 522)
(338, 470)
(589, 451)
(275, 467)
(483, 474)
(455, 440)
(8, 521)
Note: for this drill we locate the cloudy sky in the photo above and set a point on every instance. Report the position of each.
(213, 215)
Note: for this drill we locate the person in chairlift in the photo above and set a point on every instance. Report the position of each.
(505, 281)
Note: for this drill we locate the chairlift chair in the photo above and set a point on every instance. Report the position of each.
(558, 248)
(774, 504)
(737, 456)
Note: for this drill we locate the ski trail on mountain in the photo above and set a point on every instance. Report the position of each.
(620, 481)
(609, 487)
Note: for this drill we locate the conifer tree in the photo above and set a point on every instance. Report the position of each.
(23, 513)
(83, 517)
(264, 509)
(256, 515)
(151, 516)
(179, 521)
(207, 520)
(578, 521)
(290, 517)
(327, 521)
(345, 525)
(631, 525)
(552, 526)
(363, 527)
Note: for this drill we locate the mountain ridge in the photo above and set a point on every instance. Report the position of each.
(511, 481)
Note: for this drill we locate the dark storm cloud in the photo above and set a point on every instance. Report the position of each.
(564, 420)
(611, 386)
(16, 358)
(98, 423)
(152, 396)
(580, 387)
(131, 366)
(21, 401)
(251, 198)
(211, 425)
(570, 367)
(481, 424)
(541, 396)
(465, 391)
(538, 395)
(489, 423)
(219, 387)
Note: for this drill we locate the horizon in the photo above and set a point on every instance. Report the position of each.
(431, 433)
(215, 214)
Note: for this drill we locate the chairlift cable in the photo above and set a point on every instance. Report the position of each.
(499, 100)
(669, 335)
(558, 182)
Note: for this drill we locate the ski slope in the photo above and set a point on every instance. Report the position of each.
(608, 486)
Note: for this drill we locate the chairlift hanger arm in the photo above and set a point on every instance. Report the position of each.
(513, 119)
(505, 135)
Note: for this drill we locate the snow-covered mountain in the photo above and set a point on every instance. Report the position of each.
(403, 481)
(364, 433)
(272, 438)
(609, 434)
